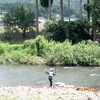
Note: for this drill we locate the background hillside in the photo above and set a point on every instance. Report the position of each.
(11, 5)
(11, 1)
(74, 3)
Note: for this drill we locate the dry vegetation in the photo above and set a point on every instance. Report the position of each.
(1, 30)
(16, 34)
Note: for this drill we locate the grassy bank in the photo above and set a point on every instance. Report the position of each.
(40, 51)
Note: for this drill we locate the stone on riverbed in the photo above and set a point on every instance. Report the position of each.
(59, 91)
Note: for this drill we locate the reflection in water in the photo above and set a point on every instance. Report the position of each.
(15, 75)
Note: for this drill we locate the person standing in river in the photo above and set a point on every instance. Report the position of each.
(51, 74)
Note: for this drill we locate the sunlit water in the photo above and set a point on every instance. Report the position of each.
(15, 75)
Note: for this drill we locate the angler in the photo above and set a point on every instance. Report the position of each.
(51, 74)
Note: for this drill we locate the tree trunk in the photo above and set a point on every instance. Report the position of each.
(93, 30)
(88, 16)
(81, 9)
(61, 11)
(94, 33)
(69, 9)
(49, 9)
(36, 16)
(88, 12)
(24, 35)
(47, 13)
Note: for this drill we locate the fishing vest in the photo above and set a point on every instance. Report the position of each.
(51, 73)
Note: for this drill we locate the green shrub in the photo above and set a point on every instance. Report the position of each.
(61, 30)
(6, 58)
(28, 59)
(13, 47)
(16, 56)
(35, 60)
(49, 53)
(87, 53)
(29, 47)
(59, 52)
(55, 30)
(35, 46)
(40, 43)
(67, 52)
(1, 50)
(27, 43)
(50, 24)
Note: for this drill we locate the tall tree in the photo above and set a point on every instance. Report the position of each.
(61, 10)
(88, 10)
(49, 9)
(81, 9)
(45, 4)
(87, 7)
(36, 17)
(95, 17)
(69, 9)
(20, 18)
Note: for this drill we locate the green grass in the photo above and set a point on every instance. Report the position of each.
(39, 98)
(6, 98)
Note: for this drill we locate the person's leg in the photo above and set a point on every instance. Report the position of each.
(50, 79)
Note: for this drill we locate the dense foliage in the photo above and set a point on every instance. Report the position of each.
(96, 14)
(61, 30)
(85, 53)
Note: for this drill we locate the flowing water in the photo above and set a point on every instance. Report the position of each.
(27, 75)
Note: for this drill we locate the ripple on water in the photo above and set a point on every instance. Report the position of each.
(94, 74)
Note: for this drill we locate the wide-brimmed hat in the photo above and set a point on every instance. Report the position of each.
(51, 69)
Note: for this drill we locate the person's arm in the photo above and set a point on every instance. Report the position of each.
(54, 74)
(47, 72)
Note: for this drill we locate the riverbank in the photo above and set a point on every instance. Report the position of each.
(40, 51)
(59, 91)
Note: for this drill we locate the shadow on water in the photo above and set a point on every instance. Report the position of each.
(27, 75)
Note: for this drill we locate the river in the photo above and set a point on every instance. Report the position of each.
(27, 75)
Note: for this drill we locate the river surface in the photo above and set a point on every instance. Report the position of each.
(27, 75)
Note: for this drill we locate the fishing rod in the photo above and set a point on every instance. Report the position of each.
(55, 69)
